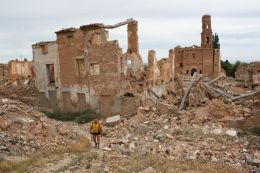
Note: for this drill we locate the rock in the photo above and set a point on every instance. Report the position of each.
(38, 128)
(214, 159)
(131, 146)
(112, 121)
(5, 100)
(231, 132)
(217, 131)
(149, 170)
(45, 125)
(142, 110)
(37, 114)
(166, 127)
(156, 140)
(107, 149)
(246, 110)
(26, 82)
(63, 130)
(169, 136)
(142, 129)
(106, 169)
(165, 108)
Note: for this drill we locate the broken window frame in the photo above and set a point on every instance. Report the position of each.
(50, 75)
(207, 39)
(70, 39)
(96, 36)
(193, 55)
(80, 67)
(94, 72)
(44, 49)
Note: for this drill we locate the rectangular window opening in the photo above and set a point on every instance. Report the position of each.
(44, 49)
(193, 55)
(70, 40)
(94, 69)
(81, 67)
(50, 73)
(128, 62)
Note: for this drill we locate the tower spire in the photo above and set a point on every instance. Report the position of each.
(206, 34)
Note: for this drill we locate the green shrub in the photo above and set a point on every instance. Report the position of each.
(79, 117)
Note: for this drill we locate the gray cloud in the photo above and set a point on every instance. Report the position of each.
(162, 24)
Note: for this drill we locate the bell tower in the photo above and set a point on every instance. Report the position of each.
(206, 34)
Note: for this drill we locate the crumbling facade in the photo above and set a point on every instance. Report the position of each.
(3, 71)
(202, 59)
(249, 73)
(20, 69)
(241, 71)
(83, 70)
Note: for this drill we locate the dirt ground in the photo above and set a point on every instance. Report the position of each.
(212, 134)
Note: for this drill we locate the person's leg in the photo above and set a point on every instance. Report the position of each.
(98, 141)
(95, 140)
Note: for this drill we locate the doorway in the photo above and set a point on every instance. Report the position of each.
(193, 71)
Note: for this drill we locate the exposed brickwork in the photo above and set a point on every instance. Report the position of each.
(94, 72)
(20, 69)
(3, 71)
(204, 60)
(249, 73)
(241, 72)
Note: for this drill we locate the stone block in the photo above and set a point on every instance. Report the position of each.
(112, 121)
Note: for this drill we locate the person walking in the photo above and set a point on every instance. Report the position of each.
(96, 131)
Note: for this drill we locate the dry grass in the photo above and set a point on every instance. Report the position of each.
(138, 163)
(80, 144)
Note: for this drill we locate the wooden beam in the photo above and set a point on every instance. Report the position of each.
(119, 24)
(219, 91)
(187, 91)
(154, 93)
(216, 79)
(244, 96)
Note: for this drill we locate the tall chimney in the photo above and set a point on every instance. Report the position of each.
(132, 37)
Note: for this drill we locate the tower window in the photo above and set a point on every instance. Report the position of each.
(180, 64)
(193, 55)
(207, 39)
(187, 71)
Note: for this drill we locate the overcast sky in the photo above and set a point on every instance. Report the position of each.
(163, 24)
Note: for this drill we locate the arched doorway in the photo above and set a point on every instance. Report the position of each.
(193, 71)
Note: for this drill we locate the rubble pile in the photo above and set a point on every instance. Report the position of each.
(198, 134)
(24, 130)
(23, 90)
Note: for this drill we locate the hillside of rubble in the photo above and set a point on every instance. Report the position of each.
(211, 133)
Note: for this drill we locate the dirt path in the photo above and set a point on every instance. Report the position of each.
(69, 162)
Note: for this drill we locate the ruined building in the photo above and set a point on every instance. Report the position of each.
(241, 71)
(82, 70)
(202, 59)
(3, 71)
(249, 73)
(20, 69)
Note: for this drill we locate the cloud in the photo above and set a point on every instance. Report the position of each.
(162, 24)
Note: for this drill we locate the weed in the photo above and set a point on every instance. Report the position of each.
(79, 117)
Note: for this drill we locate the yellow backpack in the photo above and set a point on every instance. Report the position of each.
(95, 127)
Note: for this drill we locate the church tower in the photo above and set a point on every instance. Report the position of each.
(206, 35)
